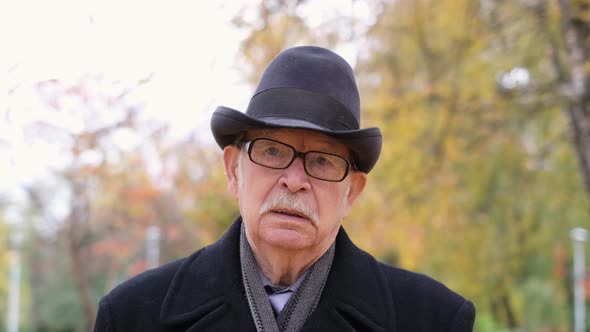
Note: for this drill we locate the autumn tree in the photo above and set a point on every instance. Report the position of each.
(476, 166)
(477, 184)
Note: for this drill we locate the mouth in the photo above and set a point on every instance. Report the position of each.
(290, 213)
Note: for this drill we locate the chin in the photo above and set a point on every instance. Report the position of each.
(287, 239)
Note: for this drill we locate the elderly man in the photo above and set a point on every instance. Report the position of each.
(296, 161)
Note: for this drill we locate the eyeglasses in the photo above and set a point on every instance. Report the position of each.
(277, 155)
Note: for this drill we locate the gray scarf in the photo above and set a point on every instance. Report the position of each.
(301, 304)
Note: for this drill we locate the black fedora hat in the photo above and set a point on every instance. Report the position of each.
(305, 87)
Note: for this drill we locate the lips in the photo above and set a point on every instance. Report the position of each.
(289, 207)
(290, 213)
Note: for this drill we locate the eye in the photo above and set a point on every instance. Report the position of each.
(272, 151)
(322, 161)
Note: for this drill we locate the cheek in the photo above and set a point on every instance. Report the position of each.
(248, 207)
(251, 193)
(333, 203)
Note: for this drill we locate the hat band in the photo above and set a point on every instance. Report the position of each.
(304, 105)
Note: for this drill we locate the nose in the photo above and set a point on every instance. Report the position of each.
(294, 177)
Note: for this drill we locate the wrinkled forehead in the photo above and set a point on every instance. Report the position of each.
(301, 139)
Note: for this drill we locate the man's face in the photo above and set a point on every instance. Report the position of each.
(287, 208)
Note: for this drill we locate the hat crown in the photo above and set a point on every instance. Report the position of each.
(317, 70)
(309, 88)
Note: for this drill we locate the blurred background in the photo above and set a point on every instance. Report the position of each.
(108, 167)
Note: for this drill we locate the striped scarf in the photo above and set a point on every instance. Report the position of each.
(301, 304)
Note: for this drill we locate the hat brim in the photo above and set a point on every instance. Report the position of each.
(365, 144)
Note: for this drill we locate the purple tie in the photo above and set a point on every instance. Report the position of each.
(278, 297)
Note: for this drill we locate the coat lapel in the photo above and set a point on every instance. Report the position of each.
(206, 292)
(356, 296)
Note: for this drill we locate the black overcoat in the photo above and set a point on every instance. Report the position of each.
(204, 292)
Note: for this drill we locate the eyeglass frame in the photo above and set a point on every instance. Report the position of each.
(248, 145)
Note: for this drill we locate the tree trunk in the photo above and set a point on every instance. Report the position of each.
(576, 32)
(82, 283)
(75, 231)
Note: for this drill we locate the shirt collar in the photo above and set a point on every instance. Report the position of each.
(282, 289)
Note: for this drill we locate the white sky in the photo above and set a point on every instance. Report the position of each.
(188, 48)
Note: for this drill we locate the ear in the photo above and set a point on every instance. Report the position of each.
(358, 180)
(231, 153)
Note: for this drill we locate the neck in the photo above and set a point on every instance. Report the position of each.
(280, 267)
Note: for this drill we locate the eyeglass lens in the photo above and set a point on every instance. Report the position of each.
(278, 155)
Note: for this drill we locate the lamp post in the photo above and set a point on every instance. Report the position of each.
(152, 246)
(579, 237)
(16, 240)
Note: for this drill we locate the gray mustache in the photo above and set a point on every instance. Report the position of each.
(291, 202)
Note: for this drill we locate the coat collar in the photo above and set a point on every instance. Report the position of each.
(207, 290)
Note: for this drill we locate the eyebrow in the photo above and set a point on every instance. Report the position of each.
(328, 147)
(331, 147)
(266, 133)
